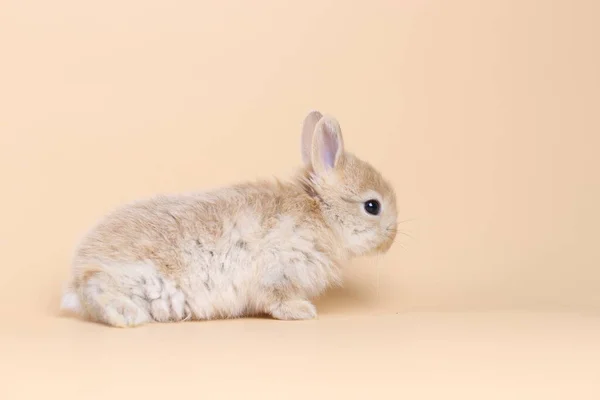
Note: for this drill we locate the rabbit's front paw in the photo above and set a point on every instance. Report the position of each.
(294, 310)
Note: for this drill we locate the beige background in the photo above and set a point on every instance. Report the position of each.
(483, 114)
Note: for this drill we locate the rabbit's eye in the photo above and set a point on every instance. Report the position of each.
(372, 207)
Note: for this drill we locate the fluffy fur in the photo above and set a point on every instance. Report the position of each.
(254, 248)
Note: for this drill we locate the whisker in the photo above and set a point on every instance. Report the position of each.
(378, 279)
(406, 234)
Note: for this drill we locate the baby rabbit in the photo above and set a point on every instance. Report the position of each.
(250, 249)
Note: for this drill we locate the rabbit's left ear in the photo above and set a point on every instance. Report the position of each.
(308, 130)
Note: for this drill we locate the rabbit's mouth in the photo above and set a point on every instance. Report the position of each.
(385, 246)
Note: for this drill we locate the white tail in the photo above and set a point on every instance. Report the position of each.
(70, 301)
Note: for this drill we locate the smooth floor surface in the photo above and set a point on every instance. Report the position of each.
(502, 355)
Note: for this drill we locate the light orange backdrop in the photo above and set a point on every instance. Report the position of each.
(483, 114)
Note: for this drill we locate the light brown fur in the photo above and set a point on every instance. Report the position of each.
(261, 247)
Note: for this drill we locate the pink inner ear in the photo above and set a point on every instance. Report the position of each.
(330, 147)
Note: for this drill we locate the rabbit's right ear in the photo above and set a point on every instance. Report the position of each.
(308, 129)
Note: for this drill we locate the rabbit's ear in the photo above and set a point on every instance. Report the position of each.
(308, 129)
(327, 145)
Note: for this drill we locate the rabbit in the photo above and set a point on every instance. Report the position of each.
(255, 248)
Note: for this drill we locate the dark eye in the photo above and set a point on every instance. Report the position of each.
(372, 207)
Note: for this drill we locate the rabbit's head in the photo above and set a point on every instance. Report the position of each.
(356, 201)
